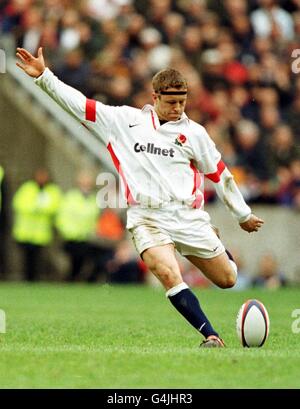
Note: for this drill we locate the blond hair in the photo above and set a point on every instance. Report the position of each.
(168, 78)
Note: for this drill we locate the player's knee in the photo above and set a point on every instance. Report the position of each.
(233, 274)
(228, 279)
(168, 275)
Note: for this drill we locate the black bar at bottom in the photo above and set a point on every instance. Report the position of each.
(150, 398)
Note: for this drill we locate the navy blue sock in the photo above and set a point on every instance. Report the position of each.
(188, 305)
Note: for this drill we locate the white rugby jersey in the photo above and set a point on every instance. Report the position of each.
(158, 164)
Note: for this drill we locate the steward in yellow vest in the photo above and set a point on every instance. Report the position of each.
(77, 216)
(3, 223)
(35, 205)
(1, 180)
(76, 222)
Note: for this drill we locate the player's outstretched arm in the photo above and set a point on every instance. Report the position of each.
(254, 223)
(67, 97)
(96, 116)
(33, 66)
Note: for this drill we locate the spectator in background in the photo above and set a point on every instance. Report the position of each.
(269, 275)
(283, 157)
(283, 147)
(296, 18)
(295, 184)
(76, 223)
(235, 73)
(105, 9)
(156, 13)
(236, 18)
(269, 119)
(135, 25)
(251, 149)
(192, 45)
(173, 26)
(75, 71)
(158, 54)
(69, 35)
(119, 90)
(259, 182)
(212, 70)
(3, 222)
(125, 268)
(110, 230)
(13, 13)
(292, 116)
(32, 28)
(35, 205)
(49, 38)
(271, 20)
(284, 191)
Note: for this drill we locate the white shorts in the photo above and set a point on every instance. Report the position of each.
(188, 229)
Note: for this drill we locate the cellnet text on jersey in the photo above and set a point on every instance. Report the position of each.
(154, 150)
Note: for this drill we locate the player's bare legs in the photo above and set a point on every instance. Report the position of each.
(162, 263)
(218, 269)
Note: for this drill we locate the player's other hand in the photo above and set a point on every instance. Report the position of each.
(33, 66)
(253, 224)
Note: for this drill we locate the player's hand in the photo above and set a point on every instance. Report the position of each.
(253, 224)
(33, 66)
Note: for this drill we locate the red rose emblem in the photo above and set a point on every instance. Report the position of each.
(180, 140)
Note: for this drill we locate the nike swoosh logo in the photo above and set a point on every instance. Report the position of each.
(132, 125)
(215, 248)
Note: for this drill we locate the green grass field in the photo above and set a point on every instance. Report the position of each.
(83, 336)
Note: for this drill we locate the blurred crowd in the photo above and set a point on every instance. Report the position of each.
(240, 59)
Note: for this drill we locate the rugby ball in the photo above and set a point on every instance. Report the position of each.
(252, 324)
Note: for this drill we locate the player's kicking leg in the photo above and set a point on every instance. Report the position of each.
(231, 259)
(221, 270)
(162, 262)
